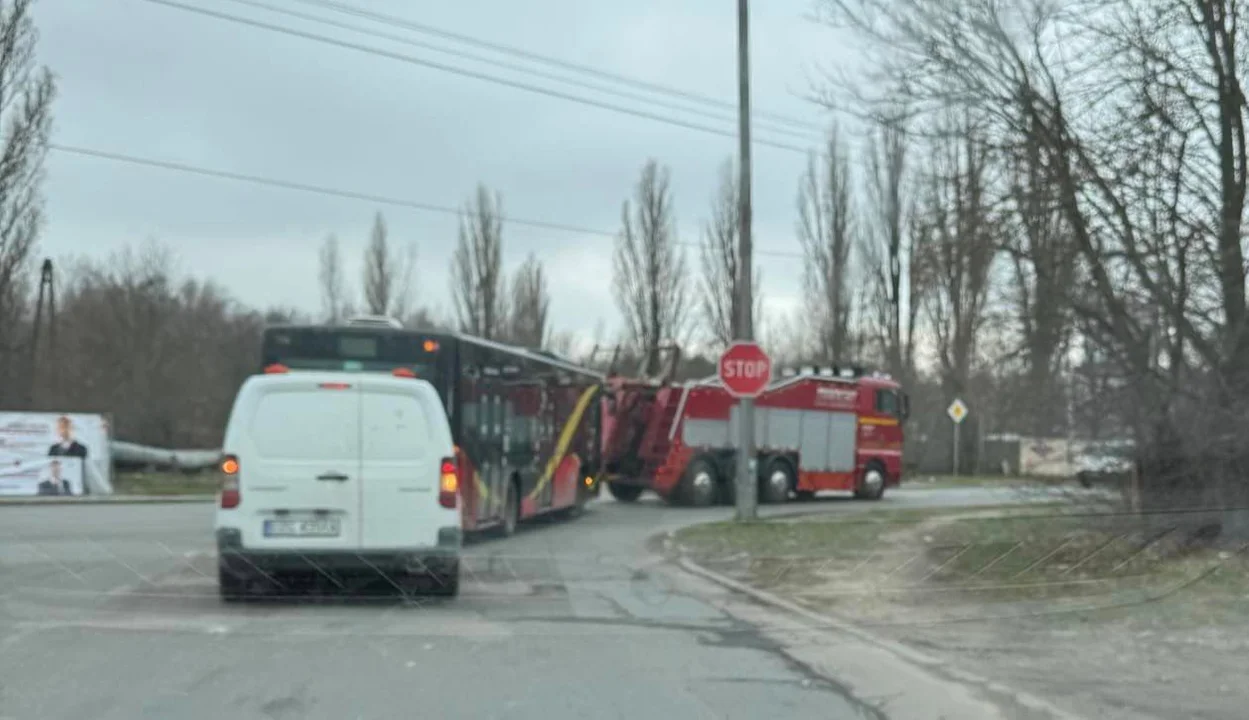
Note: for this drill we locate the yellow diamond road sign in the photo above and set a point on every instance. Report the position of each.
(957, 411)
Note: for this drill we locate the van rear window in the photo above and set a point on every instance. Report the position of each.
(307, 425)
(396, 428)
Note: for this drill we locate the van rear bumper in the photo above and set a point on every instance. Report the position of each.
(241, 561)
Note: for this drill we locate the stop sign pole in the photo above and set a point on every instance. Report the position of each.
(744, 326)
(745, 370)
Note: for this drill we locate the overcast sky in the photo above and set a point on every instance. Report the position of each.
(147, 80)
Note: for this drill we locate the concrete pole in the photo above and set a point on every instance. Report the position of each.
(747, 486)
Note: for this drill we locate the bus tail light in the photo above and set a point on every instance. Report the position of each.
(448, 484)
(230, 496)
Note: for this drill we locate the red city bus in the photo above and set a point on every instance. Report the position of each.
(524, 422)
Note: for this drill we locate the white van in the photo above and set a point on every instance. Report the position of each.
(333, 473)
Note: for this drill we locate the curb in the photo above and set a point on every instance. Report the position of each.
(108, 500)
(929, 662)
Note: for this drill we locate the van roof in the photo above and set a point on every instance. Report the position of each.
(302, 377)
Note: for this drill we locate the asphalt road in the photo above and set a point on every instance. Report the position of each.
(111, 611)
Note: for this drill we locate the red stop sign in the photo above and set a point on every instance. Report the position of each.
(745, 369)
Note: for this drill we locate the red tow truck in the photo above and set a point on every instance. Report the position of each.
(815, 429)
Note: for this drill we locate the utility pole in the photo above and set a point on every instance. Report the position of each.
(747, 493)
(47, 294)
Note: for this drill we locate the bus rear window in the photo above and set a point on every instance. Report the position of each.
(357, 347)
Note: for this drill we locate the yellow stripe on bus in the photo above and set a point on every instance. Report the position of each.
(565, 438)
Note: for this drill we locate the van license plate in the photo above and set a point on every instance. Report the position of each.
(301, 528)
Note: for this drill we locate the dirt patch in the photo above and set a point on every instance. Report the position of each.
(1101, 612)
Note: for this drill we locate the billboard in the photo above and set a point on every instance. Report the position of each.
(54, 453)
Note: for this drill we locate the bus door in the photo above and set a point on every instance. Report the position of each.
(544, 421)
(505, 440)
(493, 457)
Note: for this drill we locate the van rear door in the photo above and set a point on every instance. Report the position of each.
(404, 438)
(300, 465)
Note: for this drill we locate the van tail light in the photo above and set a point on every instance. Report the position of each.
(403, 372)
(230, 497)
(276, 369)
(448, 483)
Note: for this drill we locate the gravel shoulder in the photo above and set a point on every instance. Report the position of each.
(1099, 612)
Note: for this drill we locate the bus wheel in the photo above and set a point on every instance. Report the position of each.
(624, 493)
(872, 484)
(776, 483)
(698, 486)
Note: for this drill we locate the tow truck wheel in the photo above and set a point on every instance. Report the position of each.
(624, 493)
(698, 486)
(872, 484)
(776, 483)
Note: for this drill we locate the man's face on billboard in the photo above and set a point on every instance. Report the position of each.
(64, 429)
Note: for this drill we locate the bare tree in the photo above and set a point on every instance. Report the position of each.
(530, 303)
(1043, 264)
(1137, 113)
(26, 94)
(649, 276)
(789, 338)
(721, 265)
(163, 355)
(387, 273)
(405, 293)
(379, 280)
(895, 285)
(333, 292)
(960, 250)
(478, 284)
(826, 228)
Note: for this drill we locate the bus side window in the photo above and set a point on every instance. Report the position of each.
(498, 417)
(470, 412)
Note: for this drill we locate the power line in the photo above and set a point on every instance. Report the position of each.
(637, 97)
(348, 194)
(552, 61)
(467, 73)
